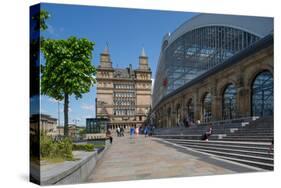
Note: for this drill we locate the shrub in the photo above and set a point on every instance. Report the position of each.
(83, 147)
(55, 149)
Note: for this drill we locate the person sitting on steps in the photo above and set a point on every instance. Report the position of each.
(207, 134)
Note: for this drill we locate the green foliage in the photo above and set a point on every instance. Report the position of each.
(83, 147)
(68, 68)
(40, 19)
(44, 15)
(82, 131)
(38, 23)
(55, 149)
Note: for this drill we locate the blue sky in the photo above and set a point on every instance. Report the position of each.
(125, 30)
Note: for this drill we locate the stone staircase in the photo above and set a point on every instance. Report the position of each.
(246, 141)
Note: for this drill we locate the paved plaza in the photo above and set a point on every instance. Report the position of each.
(146, 158)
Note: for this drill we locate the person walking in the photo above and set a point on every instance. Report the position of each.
(118, 131)
(121, 131)
(108, 135)
(145, 131)
(132, 131)
(137, 131)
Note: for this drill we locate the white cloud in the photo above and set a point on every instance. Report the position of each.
(88, 107)
(52, 100)
(87, 116)
(54, 30)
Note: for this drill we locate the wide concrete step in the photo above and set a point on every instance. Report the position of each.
(251, 134)
(266, 160)
(254, 148)
(217, 131)
(258, 129)
(261, 165)
(247, 139)
(236, 151)
(187, 132)
(223, 142)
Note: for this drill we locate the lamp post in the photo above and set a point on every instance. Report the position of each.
(58, 113)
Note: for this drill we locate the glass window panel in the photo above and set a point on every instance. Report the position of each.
(262, 94)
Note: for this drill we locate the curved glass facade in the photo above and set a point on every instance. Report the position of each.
(262, 94)
(229, 102)
(195, 52)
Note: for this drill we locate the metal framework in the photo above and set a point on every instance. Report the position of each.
(194, 53)
(207, 107)
(262, 94)
(229, 107)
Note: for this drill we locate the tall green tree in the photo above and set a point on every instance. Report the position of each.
(37, 24)
(67, 71)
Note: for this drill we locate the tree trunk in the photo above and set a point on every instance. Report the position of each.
(66, 103)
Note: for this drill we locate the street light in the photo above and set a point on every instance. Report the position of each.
(58, 113)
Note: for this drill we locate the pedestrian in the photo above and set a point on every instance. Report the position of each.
(145, 131)
(118, 131)
(208, 133)
(137, 131)
(132, 131)
(108, 135)
(152, 130)
(121, 131)
(186, 121)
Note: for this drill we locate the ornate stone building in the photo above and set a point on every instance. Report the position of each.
(123, 94)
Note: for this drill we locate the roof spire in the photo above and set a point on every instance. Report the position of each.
(106, 49)
(143, 52)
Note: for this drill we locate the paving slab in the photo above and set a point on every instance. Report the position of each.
(142, 157)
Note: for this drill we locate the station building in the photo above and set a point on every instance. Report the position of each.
(215, 67)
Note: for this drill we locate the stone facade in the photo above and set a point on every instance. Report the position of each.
(47, 124)
(73, 131)
(123, 94)
(241, 72)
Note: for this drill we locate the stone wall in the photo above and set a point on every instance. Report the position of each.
(71, 172)
(241, 74)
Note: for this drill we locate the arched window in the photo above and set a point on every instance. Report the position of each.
(229, 109)
(207, 108)
(190, 110)
(178, 113)
(169, 117)
(262, 94)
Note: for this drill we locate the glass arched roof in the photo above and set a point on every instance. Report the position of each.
(202, 43)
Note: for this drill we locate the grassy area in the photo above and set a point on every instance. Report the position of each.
(83, 147)
(52, 151)
(99, 145)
